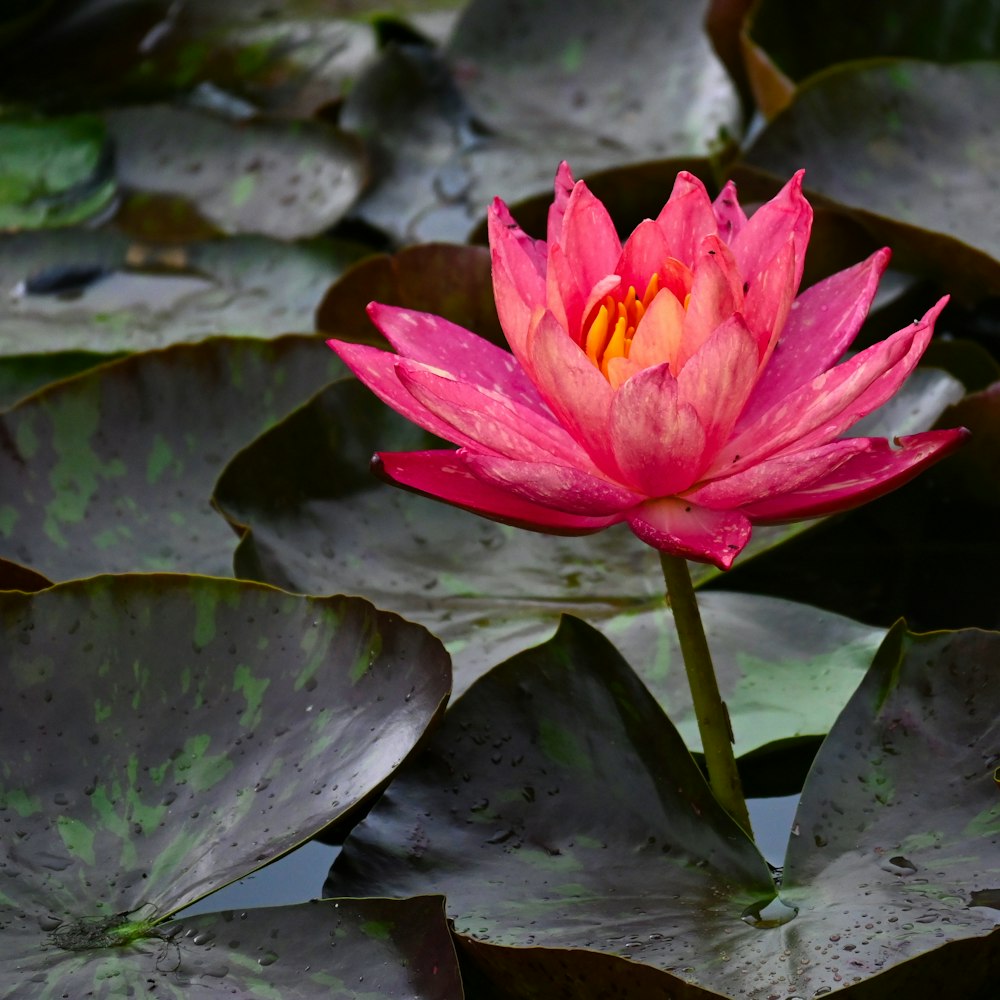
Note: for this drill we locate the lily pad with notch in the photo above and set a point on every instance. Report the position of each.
(166, 735)
(560, 813)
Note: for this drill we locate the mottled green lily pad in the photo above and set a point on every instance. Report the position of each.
(557, 809)
(905, 147)
(289, 180)
(319, 521)
(95, 291)
(113, 470)
(53, 172)
(165, 735)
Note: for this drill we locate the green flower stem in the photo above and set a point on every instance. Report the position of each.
(709, 708)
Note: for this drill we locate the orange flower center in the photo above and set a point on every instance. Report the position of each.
(612, 329)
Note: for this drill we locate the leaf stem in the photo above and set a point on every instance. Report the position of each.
(709, 708)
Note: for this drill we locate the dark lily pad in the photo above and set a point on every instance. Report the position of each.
(449, 280)
(522, 86)
(289, 180)
(905, 147)
(165, 735)
(15, 577)
(557, 809)
(95, 291)
(319, 521)
(787, 42)
(113, 470)
(53, 172)
(22, 375)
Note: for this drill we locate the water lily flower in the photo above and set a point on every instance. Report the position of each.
(678, 382)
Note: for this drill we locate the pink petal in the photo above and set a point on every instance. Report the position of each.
(519, 264)
(718, 379)
(860, 479)
(783, 474)
(824, 408)
(644, 254)
(729, 216)
(557, 486)
(377, 370)
(684, 529)
(658, 442)
(687, 218)
(564, 185)
(658, 336)
(786, 215)
(769, 296)
(443, 476)
(823, 322)
(716, 293)
(434, 341)
(588, 238)
(576, 392)
(500, 424)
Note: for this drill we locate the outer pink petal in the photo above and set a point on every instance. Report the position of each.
(787, 214)
(832, 402)
(822, 323)
(519, 264)
(658, 441)
(684, 529)
(434, 341)
(377, 369)
(729, 216)
(860, 479)
(784, 474)
(576, 392)
(716, 293)
(769, 296)
(557, 486)
(496, 422)
(687, 218)
(443, 476)
(718, 380)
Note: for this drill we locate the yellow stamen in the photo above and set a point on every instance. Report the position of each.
(610, 333)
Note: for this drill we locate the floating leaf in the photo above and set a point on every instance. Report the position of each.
(53, 172)
(166, 735)
(113, 470)
(557, 809)
(94, 291)
(788, 41)
(904, 146)
(524, 86)
(280, 179)
(319, 521)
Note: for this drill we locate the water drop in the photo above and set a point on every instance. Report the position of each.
(772, 913)
(899, 866)
(203, 937)
(268, 958)
(49, 923)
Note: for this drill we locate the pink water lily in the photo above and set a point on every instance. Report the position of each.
(675, 383)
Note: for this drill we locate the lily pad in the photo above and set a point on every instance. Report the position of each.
(53, 172)
(318, 520)
(902, 145)
(95, 291)
(451, 281)
(523, 86)
(289, 180)
(787, 41)
(557, 809)
(112, 471)
(166, 735)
